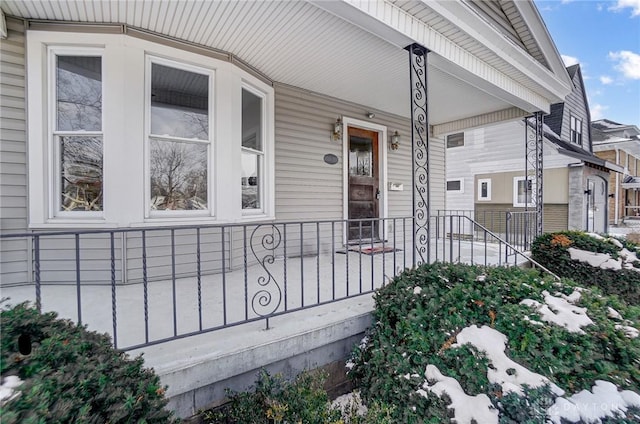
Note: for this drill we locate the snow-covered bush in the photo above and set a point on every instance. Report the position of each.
(605, 262)
(498, 345)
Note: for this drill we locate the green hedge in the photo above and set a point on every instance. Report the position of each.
(73, 375)
(418, 315)
(551, 250)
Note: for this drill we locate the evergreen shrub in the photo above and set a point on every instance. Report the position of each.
(418, 315)
(71, 374)
(551, 251)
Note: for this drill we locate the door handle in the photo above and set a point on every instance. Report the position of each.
(378, 193)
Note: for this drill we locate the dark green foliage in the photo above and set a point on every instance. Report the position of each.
(303, 400)
(419, 314)
(276, 400)
(528, 409)
(73, 375)
(551, 251)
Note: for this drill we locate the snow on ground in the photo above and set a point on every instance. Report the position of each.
(466, 408)
(561, 311)
(596, 260)
(509, 374)
(604, 400)
(348, 401)
(9, 388)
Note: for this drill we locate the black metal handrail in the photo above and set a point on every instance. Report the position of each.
(150, 285)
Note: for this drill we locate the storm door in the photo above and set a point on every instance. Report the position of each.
(364, 189)
(596, 204)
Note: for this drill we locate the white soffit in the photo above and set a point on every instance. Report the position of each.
(294, 43)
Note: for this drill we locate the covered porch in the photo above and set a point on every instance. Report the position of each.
(177, 287)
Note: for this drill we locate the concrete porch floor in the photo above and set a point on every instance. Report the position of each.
(197, 368)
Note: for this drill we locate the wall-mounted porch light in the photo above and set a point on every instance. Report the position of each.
(394, 141)
(337, 130)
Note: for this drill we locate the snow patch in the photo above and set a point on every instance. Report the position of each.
(604, 400)
(466, 408)
(9, 389)
(629, 331)
(597, 260)
(506, 372)
(561, 311)
(613, 314)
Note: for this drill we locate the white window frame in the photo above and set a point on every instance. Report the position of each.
(531, 203)
(576, 130)
(461, 190)
(125, 133)
(54, 160)
(210, 74)
(488, 182)
(248, 212)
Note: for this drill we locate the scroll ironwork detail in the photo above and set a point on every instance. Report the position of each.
(420, 152)
(534, 164)
(268, 298)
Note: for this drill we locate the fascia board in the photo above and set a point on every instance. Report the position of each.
(535, 23)
(398, 27)
(557, 85)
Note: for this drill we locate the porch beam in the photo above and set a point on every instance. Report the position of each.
(477, 121)
(420, 153)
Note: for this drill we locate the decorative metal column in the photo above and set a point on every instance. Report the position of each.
(420, 153)
(533, 164)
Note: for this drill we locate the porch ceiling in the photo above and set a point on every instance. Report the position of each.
(290, 42)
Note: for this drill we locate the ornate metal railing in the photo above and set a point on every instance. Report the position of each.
(146, 286)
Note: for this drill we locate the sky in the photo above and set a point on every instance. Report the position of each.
(604, 37)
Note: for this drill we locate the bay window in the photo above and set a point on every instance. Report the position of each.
(125, 131)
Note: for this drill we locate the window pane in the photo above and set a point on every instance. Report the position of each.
(453, 185)
(179, 103)
(524, 191)
(360, 156)
(484, 189)
(455, 140)
(178, 175)
(251, 120)
(81, 169)
(79, 93)
(250, 180)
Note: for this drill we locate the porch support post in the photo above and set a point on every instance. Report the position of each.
(534, 140)
(420, 153)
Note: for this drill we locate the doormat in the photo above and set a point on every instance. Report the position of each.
(370, 250)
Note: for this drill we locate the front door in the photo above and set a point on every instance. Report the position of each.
(364, 189)
(596, 205)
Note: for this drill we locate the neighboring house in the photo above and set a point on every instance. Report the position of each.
(219, 140)
(486, 168)
(620, 144)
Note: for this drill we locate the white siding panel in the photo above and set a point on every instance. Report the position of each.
(14, 253)
(306, 187)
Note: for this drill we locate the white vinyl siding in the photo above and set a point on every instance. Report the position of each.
(14, 254)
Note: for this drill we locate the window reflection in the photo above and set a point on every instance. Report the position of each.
(81, 166)
(178, 175)
(252, 154)
(79, 93)
(179, 110)
(360, 156)
(179, 103)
